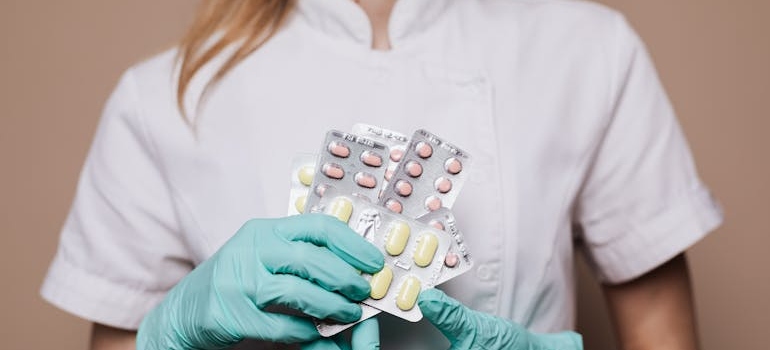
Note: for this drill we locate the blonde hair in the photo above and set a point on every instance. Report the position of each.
(247, 22)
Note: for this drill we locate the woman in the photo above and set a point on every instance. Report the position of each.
(574, 141)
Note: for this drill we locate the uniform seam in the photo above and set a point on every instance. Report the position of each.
(563, 209)
(612, 96)
(576, 185)
(173, 191)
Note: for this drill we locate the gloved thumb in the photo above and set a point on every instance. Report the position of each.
(447, 314)
(366, 335)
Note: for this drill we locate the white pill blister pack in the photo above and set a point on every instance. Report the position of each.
(429, 176)
(414, 252)
(352, 164)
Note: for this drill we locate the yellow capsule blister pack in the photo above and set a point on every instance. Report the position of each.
(456, 262)
(414, 251)
(302, 174)
(458, 259)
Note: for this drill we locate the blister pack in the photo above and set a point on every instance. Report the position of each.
(329, 328)
(302, 174)
(395, 141)
(350, 163)
(414, 251)
(456, 262)
(458, 259)
(429, 176)
(439, 161)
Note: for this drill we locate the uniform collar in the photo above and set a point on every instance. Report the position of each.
(346, 20)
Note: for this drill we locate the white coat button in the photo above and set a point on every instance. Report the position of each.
(382, 75)
(481, 171)
(489, 308)
(485, 272)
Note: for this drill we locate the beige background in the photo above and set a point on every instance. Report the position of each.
(60, 59)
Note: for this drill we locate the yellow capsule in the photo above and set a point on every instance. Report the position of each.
(427, 245)
(397, 238)
(341, 208)
(380, 283)
(299, 204)
(305, 175)
(407, 294)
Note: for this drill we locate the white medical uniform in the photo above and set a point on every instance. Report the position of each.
(558, 102)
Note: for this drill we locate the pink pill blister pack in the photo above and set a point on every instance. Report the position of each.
(429, 176)
(395, 141)
(414, 251)
(352, 164)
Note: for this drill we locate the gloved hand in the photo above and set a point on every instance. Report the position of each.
(366, 335)
(305, 262)
(467, 329)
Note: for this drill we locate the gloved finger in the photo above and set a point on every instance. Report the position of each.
(321, 344)
(305, 296)
(318, 265)
(445, 313)
(280, 328)
(366, 335)
(342, 343)
(336, 342)
(327, 231)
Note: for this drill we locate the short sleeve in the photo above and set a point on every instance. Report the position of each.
(120, 249)
(642, 202)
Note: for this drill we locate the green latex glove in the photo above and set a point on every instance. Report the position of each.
(306, 262)
(366, 335)
(467, 329)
